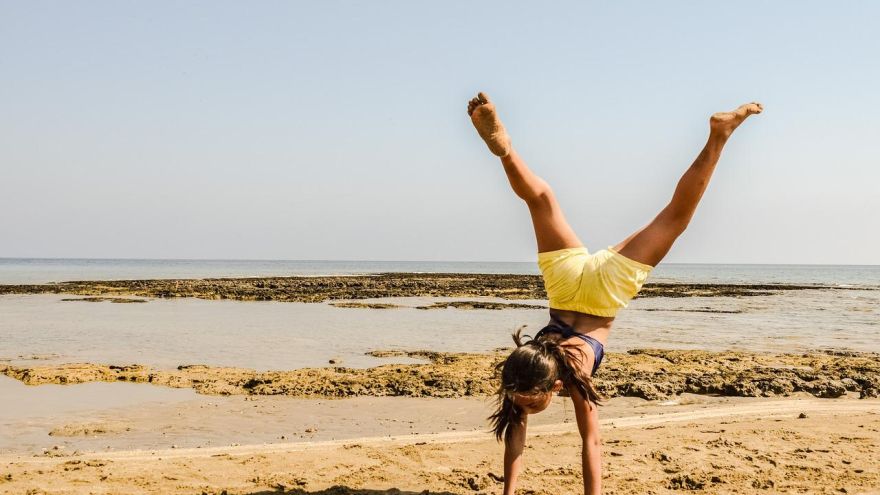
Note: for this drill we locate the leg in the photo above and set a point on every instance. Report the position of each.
(552, 231)
(650, 244)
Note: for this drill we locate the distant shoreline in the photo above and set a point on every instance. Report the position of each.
(475, 262)
(380, 285)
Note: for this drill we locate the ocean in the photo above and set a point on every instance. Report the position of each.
(282, 335)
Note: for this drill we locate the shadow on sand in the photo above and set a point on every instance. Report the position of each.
(343, 490)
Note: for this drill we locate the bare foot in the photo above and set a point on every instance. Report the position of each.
(485, 119)
(725, 122)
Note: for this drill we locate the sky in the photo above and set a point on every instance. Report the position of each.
(338, 130)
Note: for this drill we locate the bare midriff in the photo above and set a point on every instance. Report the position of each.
(598, 327)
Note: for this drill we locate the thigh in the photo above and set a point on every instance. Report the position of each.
(552, 231)
(650, 244)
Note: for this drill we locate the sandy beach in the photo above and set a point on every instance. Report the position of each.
(792, 445)
(420, 428)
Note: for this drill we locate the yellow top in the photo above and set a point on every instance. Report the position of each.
(597, 284)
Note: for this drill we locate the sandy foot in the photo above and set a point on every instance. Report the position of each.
(485, 119)
(726, 122)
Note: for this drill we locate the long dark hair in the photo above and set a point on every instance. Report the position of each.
(533, 367)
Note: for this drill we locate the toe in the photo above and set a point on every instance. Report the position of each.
(483, 97)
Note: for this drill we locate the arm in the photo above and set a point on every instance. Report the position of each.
(513, 449)
(587, 415)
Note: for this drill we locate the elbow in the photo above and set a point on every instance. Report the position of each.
(592, 442)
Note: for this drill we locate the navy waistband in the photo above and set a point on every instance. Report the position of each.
(562, 328)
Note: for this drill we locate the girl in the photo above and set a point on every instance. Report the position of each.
(585, 291)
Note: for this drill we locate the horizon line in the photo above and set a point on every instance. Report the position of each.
(400, 261)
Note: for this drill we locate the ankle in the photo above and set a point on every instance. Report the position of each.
(717, 139)
(509, 157)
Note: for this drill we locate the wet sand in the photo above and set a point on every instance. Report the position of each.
(763, 445)
(320, 289)
(645, 373)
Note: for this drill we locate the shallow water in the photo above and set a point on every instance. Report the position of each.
(43, 270)
(20, 400)
(29, 413)
(276, 335)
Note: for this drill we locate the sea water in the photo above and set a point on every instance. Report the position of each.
(44, 270)
(286, 335)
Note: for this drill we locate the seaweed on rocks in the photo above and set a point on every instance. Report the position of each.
(320, 289)
(646, 373)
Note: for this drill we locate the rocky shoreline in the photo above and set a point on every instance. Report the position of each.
(320, 289)
(646, 373)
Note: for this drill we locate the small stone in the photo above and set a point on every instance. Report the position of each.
(802, 416)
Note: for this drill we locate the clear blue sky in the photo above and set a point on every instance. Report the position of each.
(337, 130)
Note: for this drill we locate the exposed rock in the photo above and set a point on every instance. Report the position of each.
(480, 305)
(88, 429)
(359, 305)
(117, 300)
(318, 289)
(645, 373)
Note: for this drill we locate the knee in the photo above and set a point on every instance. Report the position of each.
(540, 198)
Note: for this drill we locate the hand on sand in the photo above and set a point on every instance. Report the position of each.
(725, 122)
(485, 119)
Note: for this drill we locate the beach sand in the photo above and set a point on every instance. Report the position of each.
(715, 422)
(794, 445)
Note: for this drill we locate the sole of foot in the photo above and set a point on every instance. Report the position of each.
(488, 125)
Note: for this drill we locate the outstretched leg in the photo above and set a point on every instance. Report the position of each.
(650, 244)
(552, 231)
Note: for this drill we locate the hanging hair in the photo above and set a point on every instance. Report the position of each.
(533, 367)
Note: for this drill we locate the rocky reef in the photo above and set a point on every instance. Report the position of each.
(645, 373)
(320, 289)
